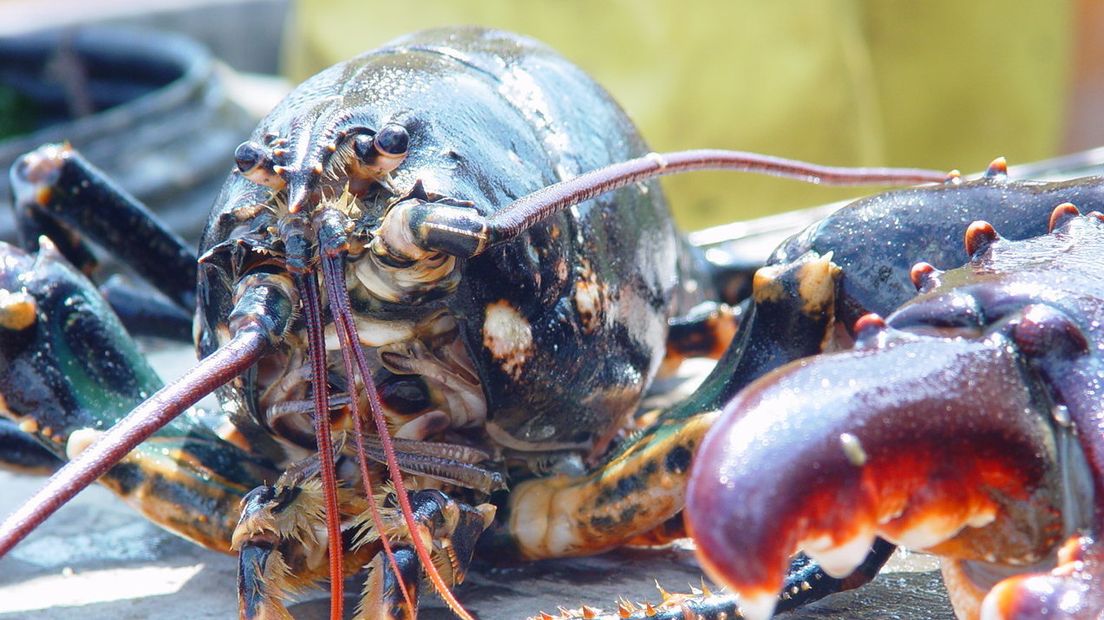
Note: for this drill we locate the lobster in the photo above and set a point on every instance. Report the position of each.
(378, 254)
(980, 438)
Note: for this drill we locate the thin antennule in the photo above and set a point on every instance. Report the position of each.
(339, 307)
(376, 408)
(307, 284)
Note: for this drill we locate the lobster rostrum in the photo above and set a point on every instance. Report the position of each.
(397, 244)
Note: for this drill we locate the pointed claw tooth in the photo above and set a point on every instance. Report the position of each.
(839, 560)
(757, 606)
(937, 528)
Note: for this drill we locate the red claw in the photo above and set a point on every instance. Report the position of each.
(1073, 590)
(907, 440)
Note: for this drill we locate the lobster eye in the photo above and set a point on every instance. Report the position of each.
(248, 156)
(362, 146)
(392, 140)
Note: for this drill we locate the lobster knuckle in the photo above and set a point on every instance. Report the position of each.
(997, 169)
(18, 310)
(867, 328)
(33, 173)
(924, 276)
(458, 231)
(1045, 331)
(265, 302)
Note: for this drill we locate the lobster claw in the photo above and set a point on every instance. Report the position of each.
(931, 443)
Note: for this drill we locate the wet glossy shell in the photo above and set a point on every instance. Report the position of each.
(566, 324)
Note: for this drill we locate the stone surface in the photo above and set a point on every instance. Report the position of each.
(97, 558)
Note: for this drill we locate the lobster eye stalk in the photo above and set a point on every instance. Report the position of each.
(260, 317)
(464, 233)
(376, 155)
(256, 163)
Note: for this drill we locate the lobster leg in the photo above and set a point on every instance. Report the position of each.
(21, 453)
(449, 529)
(706, 331)
(282, 551)
(146, 315)
(281, 542)
(69, 371)
(60, 195)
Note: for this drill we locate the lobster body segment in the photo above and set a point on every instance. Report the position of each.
(490, 117)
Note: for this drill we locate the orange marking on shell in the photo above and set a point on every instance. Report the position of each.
(1062, 214)
(921, 275)
(1073, 550)
(871, 323)
(997, 168)
(979, 236)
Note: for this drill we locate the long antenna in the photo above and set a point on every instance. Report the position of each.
(243, 350)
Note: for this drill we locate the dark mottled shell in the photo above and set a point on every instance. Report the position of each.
(492, 117)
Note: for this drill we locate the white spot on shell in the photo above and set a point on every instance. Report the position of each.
(839, 559)
(590, 295)
(80, 440)
(508, 336)
(852, 449)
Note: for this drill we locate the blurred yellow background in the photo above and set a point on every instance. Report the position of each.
(941, 83)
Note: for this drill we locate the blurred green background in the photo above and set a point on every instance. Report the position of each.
(942, 83)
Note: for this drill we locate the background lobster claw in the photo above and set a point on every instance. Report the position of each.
(879, 457)
(969, 425)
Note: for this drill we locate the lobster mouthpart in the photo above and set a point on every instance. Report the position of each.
(928, 442)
